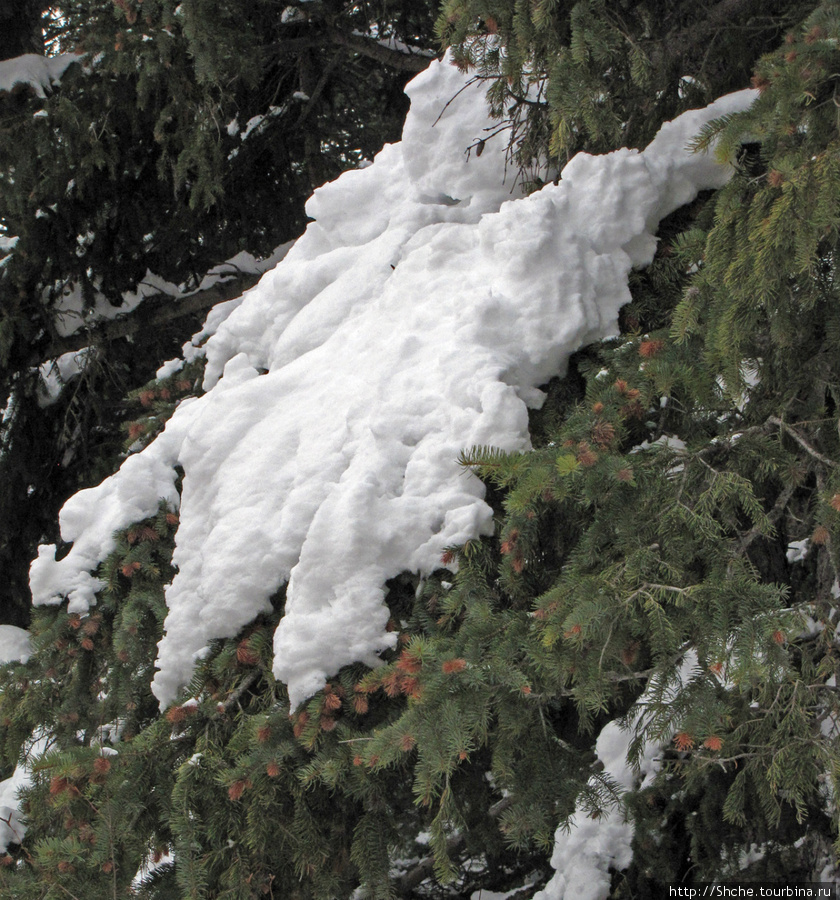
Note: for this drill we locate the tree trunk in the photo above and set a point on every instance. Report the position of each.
(20, 27)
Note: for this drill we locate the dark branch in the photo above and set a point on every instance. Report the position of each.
(454, 844)
(155, 310)
(358, 43)
(394, 59)
(718, 16)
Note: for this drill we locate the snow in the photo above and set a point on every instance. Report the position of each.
(587, 850)
(71, 314)
(40, 72)
(242, 263)
(416, 317)
(14, 644)
(797, 550)
(55, 374)
(12, 823)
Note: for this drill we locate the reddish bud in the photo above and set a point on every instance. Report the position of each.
(409, 662)
(332, 702)
(238, 788)
(649, 349)
(683, 741)
(820, 535)
(176, 714)
(245, 655)
(603, 434)
(300, 724)
(58, 785)
(449, 666)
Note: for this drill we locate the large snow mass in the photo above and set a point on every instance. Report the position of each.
(416, 317)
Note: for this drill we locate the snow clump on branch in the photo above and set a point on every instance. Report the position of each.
(416, 317)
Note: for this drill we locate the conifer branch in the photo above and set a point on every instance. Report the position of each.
(155, 310)
(402, 60)
(455, 843)
(718, 16)
(773, 420)
(775, 513)
(250, 679)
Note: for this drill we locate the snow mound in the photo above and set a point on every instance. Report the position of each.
(416, 317)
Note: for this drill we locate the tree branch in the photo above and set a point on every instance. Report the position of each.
(454, 844)
(773, 420)
(719, 15)
(157, 309)
(405, 61)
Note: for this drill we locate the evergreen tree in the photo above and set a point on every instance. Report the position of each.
(183, 135)
(665, 557)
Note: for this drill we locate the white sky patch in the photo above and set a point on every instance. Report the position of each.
(415, 318)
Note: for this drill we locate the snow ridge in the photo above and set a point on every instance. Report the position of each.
(416, 317)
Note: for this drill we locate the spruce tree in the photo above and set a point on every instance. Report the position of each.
(665, 557)
(181, 136)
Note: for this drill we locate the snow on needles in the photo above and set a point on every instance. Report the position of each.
(415, 318)
(39, 72)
